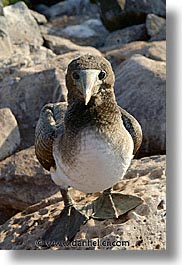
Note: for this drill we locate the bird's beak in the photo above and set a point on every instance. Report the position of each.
(88, 80)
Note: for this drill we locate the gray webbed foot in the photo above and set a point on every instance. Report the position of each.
(113, 204)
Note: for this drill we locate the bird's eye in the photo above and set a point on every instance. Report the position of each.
(75, 75)
(102, 75)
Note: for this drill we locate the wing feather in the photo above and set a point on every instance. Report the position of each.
(133, 127)
(49, 125)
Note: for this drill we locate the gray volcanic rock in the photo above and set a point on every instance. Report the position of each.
(9, 133)
(80, 34)
(61, 45)
(155, 50)
(126, 35)
(6, 48)
(69, 7)
(41, 19)
(82, 29)
(156, 27)
(6, 213)
(19, 17)
(140, 88)
(90, 32)
(26, 92)
(24, 55)
(23, 181)
(118, 14)
(142, 228)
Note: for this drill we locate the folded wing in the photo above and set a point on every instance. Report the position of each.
(133, 127)
(49, 125)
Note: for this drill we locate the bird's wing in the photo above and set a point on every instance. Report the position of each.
(133, 127)
(49, 125)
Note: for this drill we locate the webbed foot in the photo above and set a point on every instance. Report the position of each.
(113, 204)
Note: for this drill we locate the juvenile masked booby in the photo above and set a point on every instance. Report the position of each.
(89, 143)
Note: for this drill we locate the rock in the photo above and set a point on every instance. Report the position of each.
(55, 10)
(146, 166)
(22, 49)
(61, 45)
(123, 36)
(1, 9)
(69, 7)
(118, 14)
(156, 27)
(9, 133)
(142, 228)
(42, 9)
(140, 88)
(19, 57)
(90, 32)
(80, 33)
(40, 55)
(96, 24)
(23, 181)
(6, 213)
(41, 19)
(26, 92)
(155, 50)
(45, 2)
(6, 48)
(27, 30)
(25, 55)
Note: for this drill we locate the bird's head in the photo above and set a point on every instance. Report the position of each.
(89, 77)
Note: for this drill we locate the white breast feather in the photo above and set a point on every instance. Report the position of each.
(97, 166)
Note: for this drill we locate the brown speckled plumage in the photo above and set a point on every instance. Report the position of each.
(89, 62)
(102, 114)
(50, 124)
(133, 128)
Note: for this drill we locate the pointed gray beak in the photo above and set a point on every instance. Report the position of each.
(88, 79)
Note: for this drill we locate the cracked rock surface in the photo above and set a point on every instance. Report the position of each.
(141, 228)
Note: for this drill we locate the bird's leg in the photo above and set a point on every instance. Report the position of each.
(68, 202)
(67, 224)
(113, 204)
(107, 193)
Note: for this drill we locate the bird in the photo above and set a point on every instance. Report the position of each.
(88, 143)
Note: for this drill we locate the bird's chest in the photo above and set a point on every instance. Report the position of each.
(95, 152)
(94, 163)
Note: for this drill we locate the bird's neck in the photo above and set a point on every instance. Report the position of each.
(100, 112)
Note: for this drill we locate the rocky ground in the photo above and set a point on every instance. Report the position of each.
(33, 62)
(143, 227)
